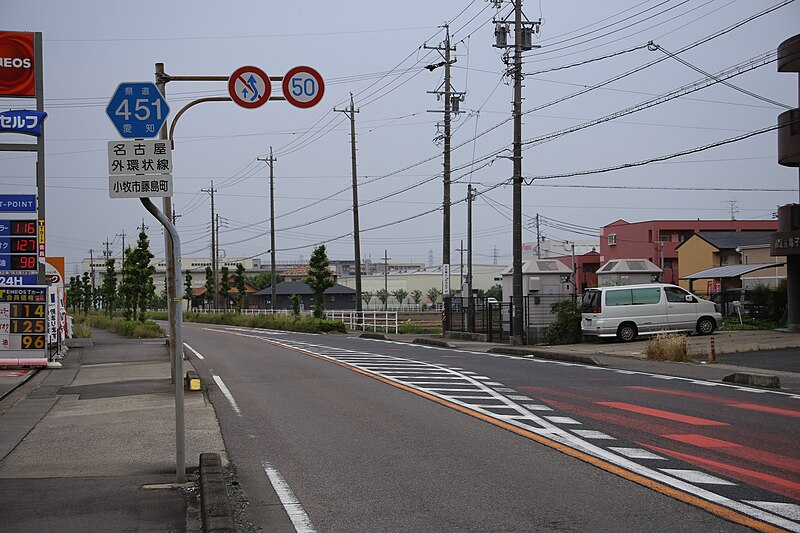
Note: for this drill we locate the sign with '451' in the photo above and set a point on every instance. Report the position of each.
(137, 110)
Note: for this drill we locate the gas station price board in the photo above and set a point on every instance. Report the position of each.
(23, 325)
(18, 245)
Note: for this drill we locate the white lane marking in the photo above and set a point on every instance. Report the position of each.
(535, 407)
(300, 520)
(695, 476)
(195, 351)
(592, 434)
(788, 510)
(227, 393)
(637, 453)
(562, 420)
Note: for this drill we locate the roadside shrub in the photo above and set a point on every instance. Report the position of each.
(133, 329)
(304, 324)
(731, 323)
(667, 347)
(567, 327)
(80, 330)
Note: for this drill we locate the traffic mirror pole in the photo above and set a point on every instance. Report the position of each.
(176, 305)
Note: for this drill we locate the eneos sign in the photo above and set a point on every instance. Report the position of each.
(16, 64)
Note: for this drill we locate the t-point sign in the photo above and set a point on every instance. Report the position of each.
(303, 87)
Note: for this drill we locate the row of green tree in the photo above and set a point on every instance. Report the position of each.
(134, 292)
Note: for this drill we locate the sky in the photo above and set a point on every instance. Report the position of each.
(377, 51)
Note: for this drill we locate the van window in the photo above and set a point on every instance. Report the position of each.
(590, 301)
(619, 297)
(646, 296)
(677, 295)
(651, 295)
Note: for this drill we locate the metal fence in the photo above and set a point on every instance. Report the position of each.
(494, 319)
(385, 321)
(762, 305)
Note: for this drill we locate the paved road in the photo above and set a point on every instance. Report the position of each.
(383, 436)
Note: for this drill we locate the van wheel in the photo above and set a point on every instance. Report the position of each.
(705, 326)
(627, 332)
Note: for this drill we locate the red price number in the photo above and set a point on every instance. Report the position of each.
(23, 227)
(23, 262)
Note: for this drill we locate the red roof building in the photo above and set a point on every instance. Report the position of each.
(657, 239)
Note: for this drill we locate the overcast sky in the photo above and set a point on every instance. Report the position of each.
(375, 51)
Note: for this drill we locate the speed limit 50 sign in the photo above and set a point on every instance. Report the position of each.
(303, 87)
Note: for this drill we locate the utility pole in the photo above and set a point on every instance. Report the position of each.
(107, 253)
(351, 114)
(211, 191)
(449, 99)
(386, 278)
(538, 239)
(270, 161)
(470, 299)
(122, 261)
(523, 34)
(215, 228)
(91, 270)
(461, 270)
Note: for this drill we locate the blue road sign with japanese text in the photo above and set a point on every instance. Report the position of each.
(137, 110)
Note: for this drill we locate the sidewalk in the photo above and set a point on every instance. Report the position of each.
(91, 446)
(762, 352)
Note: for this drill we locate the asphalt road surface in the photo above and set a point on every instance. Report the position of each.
(336, 433)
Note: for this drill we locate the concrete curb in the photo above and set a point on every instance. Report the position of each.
(371, 335)
(434, 342)
(466, 336)
(552, 356)
(753, 379)
(215, 511)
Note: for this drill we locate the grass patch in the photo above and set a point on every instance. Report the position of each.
(305, 324)
(667, 347)
(731, 323)
(408, 326)
(128, 328)
(81, 330)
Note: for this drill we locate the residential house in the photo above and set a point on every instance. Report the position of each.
(337, 297)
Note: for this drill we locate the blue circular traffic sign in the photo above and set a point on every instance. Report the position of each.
(137, 110)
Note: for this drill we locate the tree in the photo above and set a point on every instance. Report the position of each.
(416, 296)
(210, 287)
(241, 288)
(400, 295)
(87, 293)
(262, 280)
(108, 290)
(433, 294)
(187, 289)
(366, 296)
(137, 290)
(383, 296)
(295, 299)
(144, 272)
(75, 293)
(495, 292)
(224, 287)
(127, 289)
(319, 279)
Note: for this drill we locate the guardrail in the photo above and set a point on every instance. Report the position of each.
(366, 320)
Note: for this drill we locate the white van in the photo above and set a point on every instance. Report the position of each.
(626, 311)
